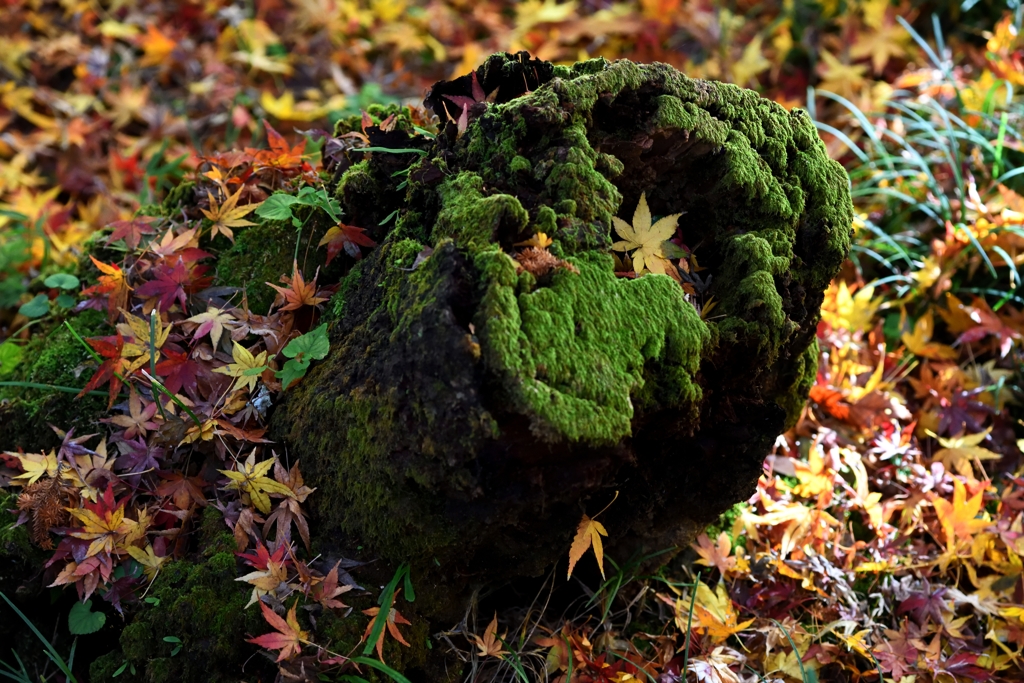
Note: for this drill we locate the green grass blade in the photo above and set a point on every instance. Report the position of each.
(382, 667)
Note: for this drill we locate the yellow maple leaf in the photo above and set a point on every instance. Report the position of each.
(156, 46)
(151, 564)
(881, 44)
(815, 476)
(854, 312)
(751, 63)
(247, 368)
(645, 240)
(228, 215)
(843, 79)
(251, 480)
(589, 532)
(713, 613)
(919, 341)
(959, 518)
(958, 451)
(34, 466)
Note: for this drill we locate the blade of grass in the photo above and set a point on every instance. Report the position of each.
(796, 652)
(689, 622)
(53, 387)
(50, 650)
(382, 667)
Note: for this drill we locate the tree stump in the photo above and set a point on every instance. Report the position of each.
(476, 403)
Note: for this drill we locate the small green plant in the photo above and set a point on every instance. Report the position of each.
(176, 641)
(301, 351)
(278, 207)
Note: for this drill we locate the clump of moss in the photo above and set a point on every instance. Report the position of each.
(55, 358)
(201, 604)
(467, 408)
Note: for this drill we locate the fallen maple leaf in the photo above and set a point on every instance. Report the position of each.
(228, 215)
(252, 482)
(297, 294)
(919, 341)
(289, 638)
(113, 284)
(589, 532)
(393, 620)
(958, 451)
(347, 237)
(490, 645)
(247, 368)
(213, 322)
(645, 239)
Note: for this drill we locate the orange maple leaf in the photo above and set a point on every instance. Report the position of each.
(298, 293)
(959, 518)
(394, 619)
(157, 47)
(113, 284)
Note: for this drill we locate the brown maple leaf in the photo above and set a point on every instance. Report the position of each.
(289, 509)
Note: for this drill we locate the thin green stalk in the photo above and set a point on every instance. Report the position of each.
(152, 355)
(689, 622)
(796, 652)
(54, 387)
(1000, 141)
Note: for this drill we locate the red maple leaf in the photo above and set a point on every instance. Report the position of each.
(262, 559)
(172, 283)
(109, 348)
(347, 237)
(280, 159)
(131, 231)
(289, 638)
(179, 369)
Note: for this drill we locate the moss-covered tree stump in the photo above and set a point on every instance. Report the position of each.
(470, 410)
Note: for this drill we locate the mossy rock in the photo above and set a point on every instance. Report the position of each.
(468, 414)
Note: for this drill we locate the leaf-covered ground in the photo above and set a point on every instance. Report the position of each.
(886, 535)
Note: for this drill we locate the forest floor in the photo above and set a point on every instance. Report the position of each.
(886, 535)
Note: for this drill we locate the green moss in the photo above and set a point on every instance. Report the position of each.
(571, 354)
(179, 195)
(252, 262)
(201, 604)
(474, 220)
(54, 358)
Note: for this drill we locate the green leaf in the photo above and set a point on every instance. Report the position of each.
(253, 372)
(292, 370)
(62, 281)
(314, 344)
(10, 357)
(38, 307)
(82, 620)
(277, 207)
(66, 300)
